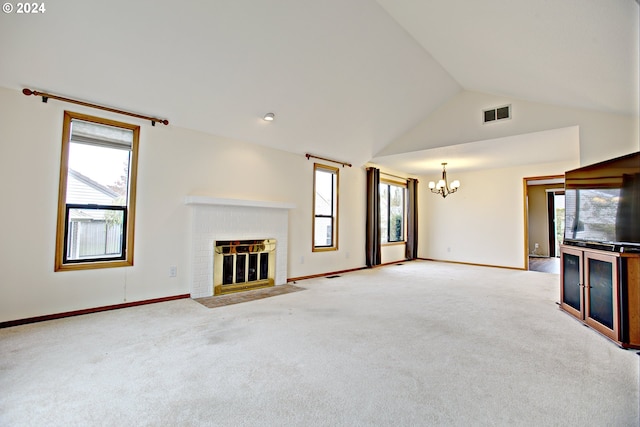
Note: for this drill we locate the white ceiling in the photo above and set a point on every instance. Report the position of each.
(345, 78)
(576, 53)
(550, 146)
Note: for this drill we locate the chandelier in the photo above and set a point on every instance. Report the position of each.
(442, 187)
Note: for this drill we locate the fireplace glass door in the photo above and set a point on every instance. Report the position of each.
(243, 264)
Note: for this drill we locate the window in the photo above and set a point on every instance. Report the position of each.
(392, 211)
(96, 200)
(325, 208)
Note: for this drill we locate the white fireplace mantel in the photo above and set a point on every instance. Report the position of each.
(216, 218)
(217, 201)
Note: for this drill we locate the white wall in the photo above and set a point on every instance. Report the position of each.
(393, 253)
(483, 223)
(351, 226)
(173, 163)
(602, 136)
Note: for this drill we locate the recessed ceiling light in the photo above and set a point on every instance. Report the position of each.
(269, 117)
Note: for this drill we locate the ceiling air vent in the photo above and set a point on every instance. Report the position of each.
(496, 114)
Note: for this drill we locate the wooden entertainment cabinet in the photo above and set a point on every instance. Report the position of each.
(602, 289)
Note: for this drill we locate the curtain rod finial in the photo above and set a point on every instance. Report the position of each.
(28, 91)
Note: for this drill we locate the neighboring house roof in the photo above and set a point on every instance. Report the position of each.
(82, 189)
(88, 186)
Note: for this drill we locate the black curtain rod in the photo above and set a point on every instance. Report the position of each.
(328, 160)
(45, 97)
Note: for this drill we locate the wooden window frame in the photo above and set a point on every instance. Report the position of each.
(334, 246)
(60, 264)
(389, 182)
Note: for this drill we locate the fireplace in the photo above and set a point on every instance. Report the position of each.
(231, 220)
(240, 265)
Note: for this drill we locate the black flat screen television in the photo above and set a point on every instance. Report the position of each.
(602, 205)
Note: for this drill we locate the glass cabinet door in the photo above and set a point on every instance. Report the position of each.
(571, 291)
(601, 293)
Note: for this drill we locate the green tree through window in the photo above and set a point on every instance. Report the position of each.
(392, 212)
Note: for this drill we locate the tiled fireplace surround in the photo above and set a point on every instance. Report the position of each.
(233, 219)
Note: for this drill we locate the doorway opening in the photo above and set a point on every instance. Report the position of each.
(544, 222)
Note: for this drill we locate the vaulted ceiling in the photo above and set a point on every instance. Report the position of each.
(345, 78)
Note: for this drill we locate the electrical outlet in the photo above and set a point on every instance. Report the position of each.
(173, 271)
(301, 259)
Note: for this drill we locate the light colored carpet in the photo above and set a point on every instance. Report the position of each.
(420, 344)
